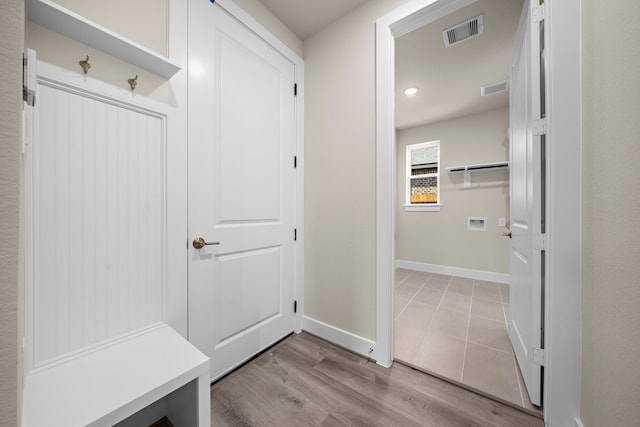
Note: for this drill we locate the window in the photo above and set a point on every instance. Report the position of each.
(423, 176)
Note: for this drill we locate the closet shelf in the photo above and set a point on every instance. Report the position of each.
(70, 24)
(467, 169)
(479, 167)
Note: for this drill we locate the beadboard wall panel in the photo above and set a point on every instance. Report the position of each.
(98, 225)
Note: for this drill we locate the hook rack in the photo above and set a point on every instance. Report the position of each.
(85, 65)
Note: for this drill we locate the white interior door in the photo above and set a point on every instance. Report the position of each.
(527, 208)
(241, 189)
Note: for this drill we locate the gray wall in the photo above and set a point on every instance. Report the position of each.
(610, 212)
(442, 238)
(340, 188)
(123, 17)
(273, 24)
(11, 47)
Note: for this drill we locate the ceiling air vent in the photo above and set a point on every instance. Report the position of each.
(464, 31)
(494, 87)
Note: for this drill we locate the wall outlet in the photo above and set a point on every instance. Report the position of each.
(477, 224)
(502, 222)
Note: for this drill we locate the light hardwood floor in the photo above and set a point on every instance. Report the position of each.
(306, 381)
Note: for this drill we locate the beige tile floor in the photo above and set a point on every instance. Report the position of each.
(457, 328)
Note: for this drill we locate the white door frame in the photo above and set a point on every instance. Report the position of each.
(563, 275)
(243, 17)
(177, 290)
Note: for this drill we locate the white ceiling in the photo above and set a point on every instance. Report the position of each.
(448, 79)
(307, 17)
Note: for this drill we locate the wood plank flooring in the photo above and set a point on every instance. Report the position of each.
(306, 381)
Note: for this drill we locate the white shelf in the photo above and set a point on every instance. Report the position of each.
(467, 169)
(76, 27)
(479, 167)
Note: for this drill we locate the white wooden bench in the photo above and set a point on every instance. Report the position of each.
(134, 381)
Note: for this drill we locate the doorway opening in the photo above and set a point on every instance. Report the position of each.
(561, 374)
(451, 294)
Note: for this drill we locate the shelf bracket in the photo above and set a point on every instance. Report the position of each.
(467, 169)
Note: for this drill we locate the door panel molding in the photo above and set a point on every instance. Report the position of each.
(96, 215)
(243, 17)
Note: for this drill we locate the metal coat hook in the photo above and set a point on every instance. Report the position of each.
(133, 82)
(85, 65)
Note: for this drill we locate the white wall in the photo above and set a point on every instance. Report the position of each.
(64, 52)
(273, 24)
(442, 238)
(144, 21)
(340, 171)
(611, 202)
(11, 47)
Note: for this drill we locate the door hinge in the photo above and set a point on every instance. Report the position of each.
(539, 127)
(539, 356)
(537, 13)
(540, 242)
(295, 306)
(295, 234)
(28, 95)
(295, 89)
(295, 161)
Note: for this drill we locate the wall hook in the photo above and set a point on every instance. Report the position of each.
(133, 82)
(85, 65)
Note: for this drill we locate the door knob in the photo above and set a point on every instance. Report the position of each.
(505, 234)
(200, 243)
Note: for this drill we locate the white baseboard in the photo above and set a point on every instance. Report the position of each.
(340, 337)
(455, 271)
(579, 422)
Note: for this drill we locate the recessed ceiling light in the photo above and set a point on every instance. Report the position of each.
(411, 91)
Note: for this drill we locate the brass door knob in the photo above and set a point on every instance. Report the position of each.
(200, 243)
